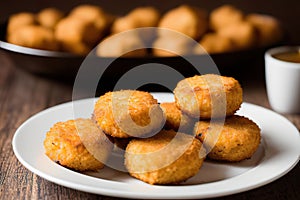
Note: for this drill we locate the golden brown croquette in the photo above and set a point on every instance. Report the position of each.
(67, 142)
(191, 21)
(208, 96)
(166, 158)
(34, 36)
(238, 139)
(128, 113)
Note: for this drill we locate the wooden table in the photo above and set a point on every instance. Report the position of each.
(23, 94)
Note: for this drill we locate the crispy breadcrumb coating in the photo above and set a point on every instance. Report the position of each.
(128, 113)
(166, 158)
(208, 96)
(65, 144)
(238, 140)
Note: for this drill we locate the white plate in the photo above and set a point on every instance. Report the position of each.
(278, 153)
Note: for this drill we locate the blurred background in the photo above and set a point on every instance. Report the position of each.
(286, 11)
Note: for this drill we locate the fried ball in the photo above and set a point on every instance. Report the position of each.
(93, 14)
(172, 44)
(76, 36)
(235, 140)
(139, 17)
(145, 16)
(34, 36)
(77, 144)
(166, 158)
(268, 28)
(19, 20)
(128, 113)
(185, 19)
(49, 17)
(76, 30)
(208, 96)
(242, 34)
(225, 15)
(175, 119)
(125, 45)
(123, 24)
(214, 43)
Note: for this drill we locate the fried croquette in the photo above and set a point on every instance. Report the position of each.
(268, 28)
(215, 43)
(34, 36)
(123, 24)
(19, 20)
(225, 15)
(123, 45)
(172, 44)
(128, 113)
(185, 19)
(137, 18)
(76, 30)
(243, 34)
(49, 17)
(238, 139)
(76, 36)
(166, 158)
(208, 96)
(93, 14)
(175, 119)
(76, 144)
(145, 16)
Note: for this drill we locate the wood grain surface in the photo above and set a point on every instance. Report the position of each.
(23, 94)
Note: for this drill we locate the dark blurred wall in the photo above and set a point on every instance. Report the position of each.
(287, 11)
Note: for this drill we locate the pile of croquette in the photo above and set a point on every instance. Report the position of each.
(224, 29)
(164, 142)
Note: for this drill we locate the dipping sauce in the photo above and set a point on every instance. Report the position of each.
(290, 56)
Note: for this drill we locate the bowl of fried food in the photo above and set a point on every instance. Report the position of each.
(52, 42)
(55, 43)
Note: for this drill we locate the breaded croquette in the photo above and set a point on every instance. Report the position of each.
(242, 34)
(215, 43)
(124, 45)
(19, 20)
(172, 44)
(76, 36)
(128, 113)
(238, 139)
(137, 18)
(224, 16)
(185, 19)
(76, 144)
(208, 96)
(147, 16)
(93, 14)
(166, 158)
(49, 17)
(34, 36)
(175, 119)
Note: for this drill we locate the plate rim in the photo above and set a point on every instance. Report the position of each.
(132, 194)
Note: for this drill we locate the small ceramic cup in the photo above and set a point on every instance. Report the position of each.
(283, 80)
